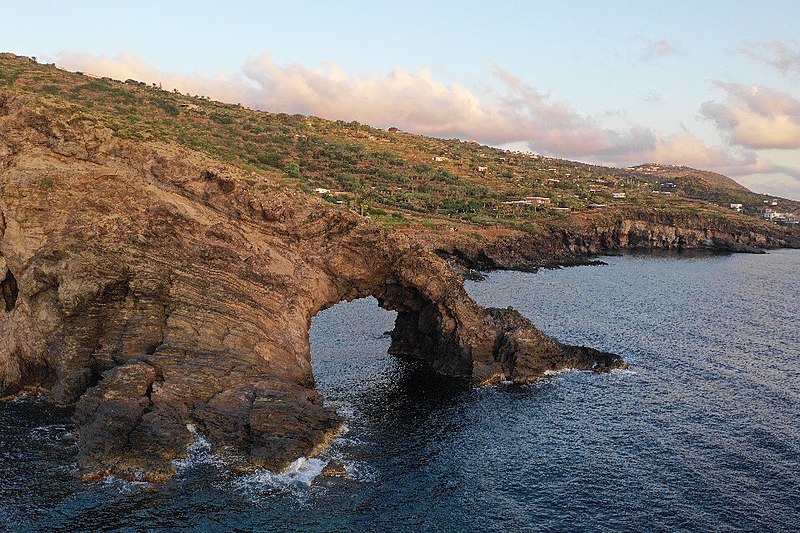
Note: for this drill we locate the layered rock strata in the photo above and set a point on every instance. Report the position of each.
(577, 240)
(158, 290)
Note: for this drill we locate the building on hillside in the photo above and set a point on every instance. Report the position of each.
(439, 158)
(595, 206)
(483, 169)
(320, 190)
(737, 207)
(537, 200)
(530, 200)
(618, 194)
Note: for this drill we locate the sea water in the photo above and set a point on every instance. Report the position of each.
(701, 433)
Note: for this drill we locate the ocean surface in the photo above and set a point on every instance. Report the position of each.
(701, 434)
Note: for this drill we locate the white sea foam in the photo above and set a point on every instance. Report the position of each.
(559, 372)
(123, 486)
(200, 452)
(296, 479)
(28, 397)
(60, 433)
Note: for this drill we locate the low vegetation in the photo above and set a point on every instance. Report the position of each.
(394, 177)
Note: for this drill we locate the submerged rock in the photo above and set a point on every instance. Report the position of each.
(334, 469)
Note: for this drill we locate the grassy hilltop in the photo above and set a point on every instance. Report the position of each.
(396, 178)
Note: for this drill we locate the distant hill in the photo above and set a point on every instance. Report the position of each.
(713, 187)
(682, 174)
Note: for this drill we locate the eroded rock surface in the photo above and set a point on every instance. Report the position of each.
(155, 288)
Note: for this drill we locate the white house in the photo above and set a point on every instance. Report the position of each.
(618, 194)
(537, 200)
(320, 190)
(737, 207)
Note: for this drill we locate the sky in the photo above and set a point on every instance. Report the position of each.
(712, 85)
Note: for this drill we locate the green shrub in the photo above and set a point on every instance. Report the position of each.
(270, 159)
(292, 169)
(222, 118)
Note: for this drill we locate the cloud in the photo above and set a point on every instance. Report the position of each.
(756, 117)
(414, 101)
(653, 97)
(778, 184)
(658, 49)
(514, 113)
(776, 54)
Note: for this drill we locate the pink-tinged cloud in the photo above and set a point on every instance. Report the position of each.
(756, 117)
(414, 101)
(516, 113)
(776, 54)
(658, 49)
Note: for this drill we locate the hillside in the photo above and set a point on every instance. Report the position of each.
(162, 256)
(681, 174)
(396, 178)
(162, 294)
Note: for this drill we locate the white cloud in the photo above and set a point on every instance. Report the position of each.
(756, 117)
(777, 183)
(776, 54)
(658, 49)
(414, 101)
(653, 97)
(515, 114)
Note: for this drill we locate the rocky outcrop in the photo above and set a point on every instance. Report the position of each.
(157, 290)
(576, 240)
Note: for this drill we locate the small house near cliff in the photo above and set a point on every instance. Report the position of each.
(530, 200)
(538, 200)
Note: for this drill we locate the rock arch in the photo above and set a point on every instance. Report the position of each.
(157, 290)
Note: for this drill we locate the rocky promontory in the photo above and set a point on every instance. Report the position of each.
(162, 257)
(157, 289)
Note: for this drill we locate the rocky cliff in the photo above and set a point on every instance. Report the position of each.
(572, 241)
(156, 289)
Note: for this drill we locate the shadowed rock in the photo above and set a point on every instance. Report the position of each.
(155, 288)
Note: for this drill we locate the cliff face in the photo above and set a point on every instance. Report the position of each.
(572, 242)
(155, 289)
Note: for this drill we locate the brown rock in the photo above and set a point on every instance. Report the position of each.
(154, 287)
(334, 469)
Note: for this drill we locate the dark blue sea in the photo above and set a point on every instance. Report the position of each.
(701, 434)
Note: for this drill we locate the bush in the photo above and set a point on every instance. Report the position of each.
(350, 183)
(222, 118)
(292, 169)
(271, 159)
(169, 107)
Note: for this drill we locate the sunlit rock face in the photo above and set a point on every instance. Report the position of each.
(154, 288)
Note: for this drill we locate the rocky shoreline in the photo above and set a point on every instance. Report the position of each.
(154, 288)
(582, 239)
